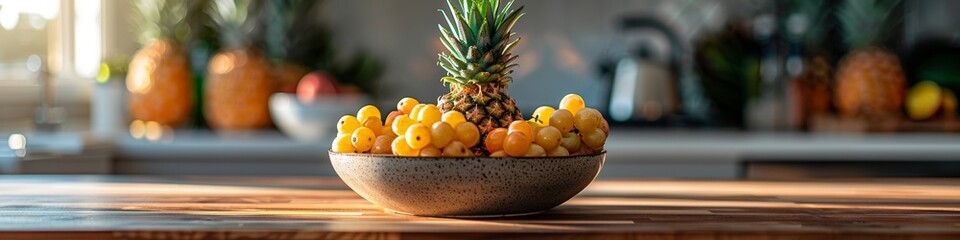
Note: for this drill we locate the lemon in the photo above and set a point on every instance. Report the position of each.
(924, 100)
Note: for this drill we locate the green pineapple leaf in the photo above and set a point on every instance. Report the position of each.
(866, 22)
(295, 33)
(478, 42)
(813, 17)
(236, 21)
(154, 19)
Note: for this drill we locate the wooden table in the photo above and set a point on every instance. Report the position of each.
(95, 207)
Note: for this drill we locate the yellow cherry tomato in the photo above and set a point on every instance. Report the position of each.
(342, 144)
(402, 148)
(572, 103)
(453, 118)
(418, 136)
(347, 124)
(441, 134)
(542, 115)
(468, 134)
(400, 125)
(406, 105)
(368, 111)
(456, 149)
(516, 145)
(382, 145)
(362, 139)
(430, 114)
(522, 127)
(494, 140)
(373, 124)
(562, 120)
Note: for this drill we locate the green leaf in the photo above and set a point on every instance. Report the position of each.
(451, 43)
(452, 80)
(453, 61)
(483, 40)
(504, 12)
(510, 46)
(462, 27)
(494, 68)
(446, 66)
(510, 21)
(495, 76)
(446, 18)
(467, 34)
(491, 19)
(482, 77)
(501, 43)
(476, 23)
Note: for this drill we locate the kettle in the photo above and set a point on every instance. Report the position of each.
(644, 89)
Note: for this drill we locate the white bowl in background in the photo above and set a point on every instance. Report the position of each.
(312, 121)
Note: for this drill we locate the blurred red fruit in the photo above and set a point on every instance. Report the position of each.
(315, 84)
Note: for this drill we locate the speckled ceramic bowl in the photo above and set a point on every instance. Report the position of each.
(466, 187)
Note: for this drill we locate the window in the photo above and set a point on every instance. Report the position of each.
(66, 34)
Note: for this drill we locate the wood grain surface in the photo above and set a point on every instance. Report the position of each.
(96, 207)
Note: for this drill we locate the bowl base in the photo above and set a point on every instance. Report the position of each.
(465, 216)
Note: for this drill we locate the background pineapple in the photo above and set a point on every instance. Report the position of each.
(293, 39)
(239, 78)
(812, 89)
(159, 77)
(478, 61)
(870, 81)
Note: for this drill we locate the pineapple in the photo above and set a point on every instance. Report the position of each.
(295, 41)
(812, 88)
(870, 82)
(159, 77)
(239, 78)
(478, 40)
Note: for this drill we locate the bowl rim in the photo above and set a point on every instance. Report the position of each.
(388, 156)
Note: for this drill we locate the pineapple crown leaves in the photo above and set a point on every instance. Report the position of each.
(866, 22)
(161, 19)
(296, 34)
(201, 20)
(815, 15)
(478, 39)
(236, 20)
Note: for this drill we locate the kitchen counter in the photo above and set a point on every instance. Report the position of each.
(736, 146)
(632, 153)
(104, 207)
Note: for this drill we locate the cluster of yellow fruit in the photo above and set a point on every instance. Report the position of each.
(416, 129)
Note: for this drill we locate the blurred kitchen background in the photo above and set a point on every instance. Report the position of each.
(759, 89)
